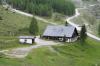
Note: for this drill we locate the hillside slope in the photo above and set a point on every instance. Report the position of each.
(13, 24)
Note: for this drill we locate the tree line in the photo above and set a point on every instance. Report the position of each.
(44, 7)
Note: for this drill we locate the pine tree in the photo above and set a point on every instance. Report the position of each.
(33, 28)
(83, 34)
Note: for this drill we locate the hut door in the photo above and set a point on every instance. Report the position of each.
(25, 41)
(61, 39)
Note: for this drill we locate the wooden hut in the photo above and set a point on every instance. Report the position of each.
(61, 33)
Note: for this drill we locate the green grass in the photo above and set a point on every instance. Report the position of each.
(13, 25)
(56, 18)
(71, 54)
(10, 42)
(42, 26)
(81, 55)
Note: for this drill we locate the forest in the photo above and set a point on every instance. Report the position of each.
(44, 7)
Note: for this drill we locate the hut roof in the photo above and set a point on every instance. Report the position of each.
(59, 31)
(26, 37)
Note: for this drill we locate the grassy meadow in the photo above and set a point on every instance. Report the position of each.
(13, 25)
(70, 54)
(56, 18)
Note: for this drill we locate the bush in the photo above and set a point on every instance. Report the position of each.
(1, 18)
(2, 55)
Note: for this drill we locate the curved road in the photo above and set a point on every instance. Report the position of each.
(68, 20)
(77, 26)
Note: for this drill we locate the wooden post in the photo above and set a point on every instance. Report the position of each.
(64, 38)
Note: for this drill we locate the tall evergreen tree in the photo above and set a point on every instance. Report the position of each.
(83, 34)
(33, 28)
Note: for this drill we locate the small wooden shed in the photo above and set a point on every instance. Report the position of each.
(26, 39)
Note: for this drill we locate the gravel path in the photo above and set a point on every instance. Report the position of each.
(23, 52)
(77, 26)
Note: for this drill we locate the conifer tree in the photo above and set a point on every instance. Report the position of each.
(33, 28)
(83, 34)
